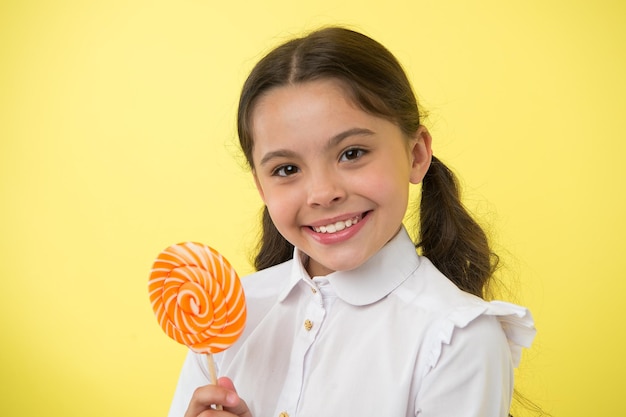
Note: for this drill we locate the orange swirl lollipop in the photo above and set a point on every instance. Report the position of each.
(197, 298)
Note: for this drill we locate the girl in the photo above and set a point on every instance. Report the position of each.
(345, 318)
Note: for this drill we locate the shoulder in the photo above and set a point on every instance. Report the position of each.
(267, 281)
(460, 319)
(263, 288)
(431, 291)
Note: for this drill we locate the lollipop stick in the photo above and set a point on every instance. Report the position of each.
(212, 373)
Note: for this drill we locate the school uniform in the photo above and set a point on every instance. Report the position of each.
(391, 338)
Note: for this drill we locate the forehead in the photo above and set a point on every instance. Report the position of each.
(304, 106)
(336, 90)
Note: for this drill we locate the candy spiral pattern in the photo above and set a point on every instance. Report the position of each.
(197, 297)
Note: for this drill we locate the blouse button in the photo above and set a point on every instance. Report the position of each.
(308, 325)
(283, 414)
(313, 290)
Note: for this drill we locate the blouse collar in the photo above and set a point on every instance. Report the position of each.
(370, 282)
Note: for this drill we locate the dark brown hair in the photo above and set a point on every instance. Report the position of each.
(377, 83)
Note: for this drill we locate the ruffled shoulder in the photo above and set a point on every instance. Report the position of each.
(516, 322)
(518, 326)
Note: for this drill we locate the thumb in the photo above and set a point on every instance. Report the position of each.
(227, 383)
(235, 404)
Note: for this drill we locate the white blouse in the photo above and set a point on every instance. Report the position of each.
(393, 337)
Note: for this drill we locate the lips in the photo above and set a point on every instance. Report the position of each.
(338, 225)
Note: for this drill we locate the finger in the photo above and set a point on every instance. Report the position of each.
(205, 397)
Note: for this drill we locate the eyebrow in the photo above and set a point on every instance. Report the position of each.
(334, 141)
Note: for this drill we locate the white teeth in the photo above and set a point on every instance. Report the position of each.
(338, 226)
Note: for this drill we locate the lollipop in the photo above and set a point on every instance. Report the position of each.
(197, 298)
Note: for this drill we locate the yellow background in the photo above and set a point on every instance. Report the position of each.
(118, 139)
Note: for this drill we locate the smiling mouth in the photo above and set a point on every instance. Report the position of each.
(338, 226)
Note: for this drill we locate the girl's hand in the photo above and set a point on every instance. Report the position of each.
(223, 394)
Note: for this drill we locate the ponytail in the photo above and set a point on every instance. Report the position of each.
(273, 248)
(449, 236)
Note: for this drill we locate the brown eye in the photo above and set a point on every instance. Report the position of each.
(285, 170)
(352, 154)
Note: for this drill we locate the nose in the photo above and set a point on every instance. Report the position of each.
(325, 189)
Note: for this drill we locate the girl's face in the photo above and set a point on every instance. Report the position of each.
(334, 178)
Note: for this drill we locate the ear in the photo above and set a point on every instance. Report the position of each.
(421, 154)
(258, 185)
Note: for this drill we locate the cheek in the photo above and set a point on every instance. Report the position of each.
(282, 206)
(390, 192)
(391, 184)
